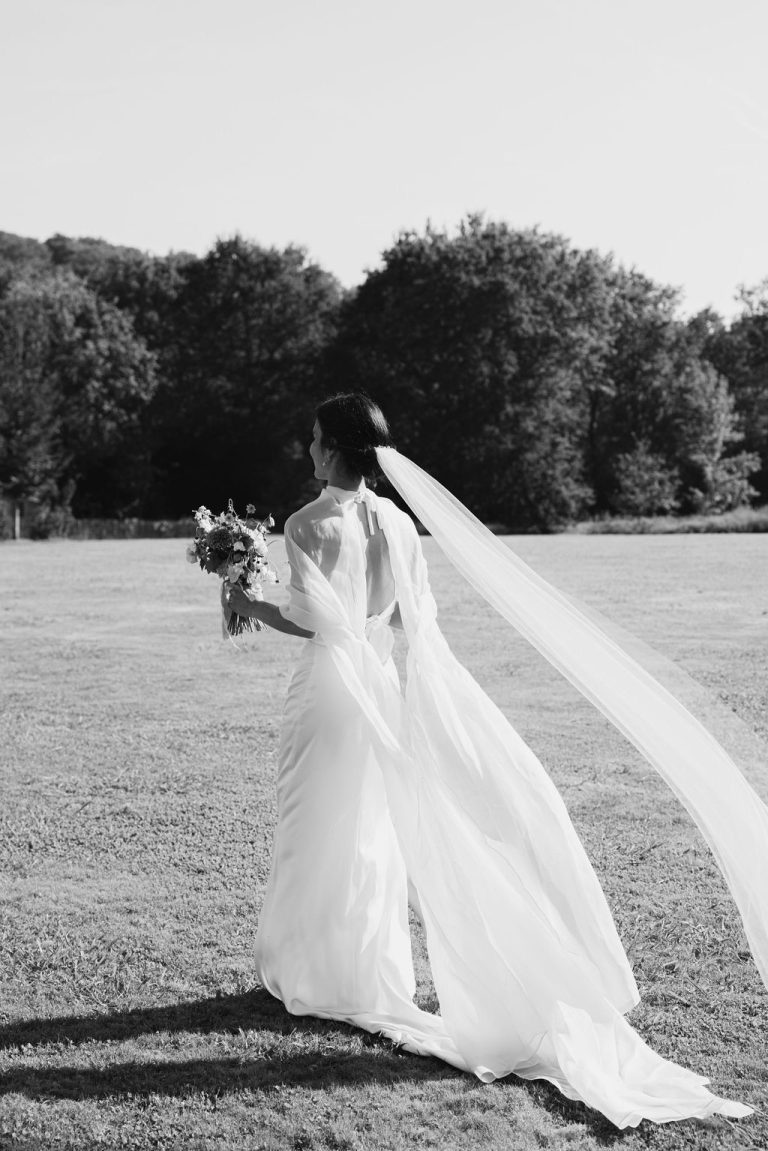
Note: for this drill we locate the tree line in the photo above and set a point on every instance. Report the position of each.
(541, 383)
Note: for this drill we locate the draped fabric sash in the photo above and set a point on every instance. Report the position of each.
(728, 812)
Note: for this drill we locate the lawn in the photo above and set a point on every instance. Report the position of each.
(137, 765)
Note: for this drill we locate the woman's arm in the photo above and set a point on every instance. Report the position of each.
(268, 613)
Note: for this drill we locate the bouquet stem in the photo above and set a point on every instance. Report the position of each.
(234, 624)
(237, 624)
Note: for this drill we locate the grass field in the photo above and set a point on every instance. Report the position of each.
(137, 762)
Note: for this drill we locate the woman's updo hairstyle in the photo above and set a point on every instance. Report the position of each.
(354, 426)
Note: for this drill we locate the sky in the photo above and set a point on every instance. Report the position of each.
(636, 127)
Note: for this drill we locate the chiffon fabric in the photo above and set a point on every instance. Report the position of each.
(703, 775)
(382, 789)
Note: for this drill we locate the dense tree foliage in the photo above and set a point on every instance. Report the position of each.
(740, 354)
(251, 328)
(540, 382)
(665, 427)
(74, 382)
(478, 346)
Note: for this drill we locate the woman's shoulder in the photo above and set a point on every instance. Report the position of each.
(396, 516)
(390, 508)
(306, 520)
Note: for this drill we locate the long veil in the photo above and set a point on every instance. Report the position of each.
(730, 815)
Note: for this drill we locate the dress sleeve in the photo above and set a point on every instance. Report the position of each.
(293, 609)
(419, 570)
(416, 604)
(311, 604)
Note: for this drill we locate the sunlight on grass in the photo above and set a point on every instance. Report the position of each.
(137, 766)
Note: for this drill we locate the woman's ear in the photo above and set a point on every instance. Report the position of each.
(329, 450)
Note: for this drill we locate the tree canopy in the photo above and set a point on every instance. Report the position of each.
(540, 382)
(75, 380)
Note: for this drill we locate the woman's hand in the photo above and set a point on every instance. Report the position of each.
(240, 602)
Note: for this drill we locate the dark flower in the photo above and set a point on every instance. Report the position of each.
(220, 539)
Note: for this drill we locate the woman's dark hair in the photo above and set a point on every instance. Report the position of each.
(355, 426)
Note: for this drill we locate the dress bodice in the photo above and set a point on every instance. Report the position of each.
(342, 533)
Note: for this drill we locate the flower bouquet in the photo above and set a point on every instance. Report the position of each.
(236, 551)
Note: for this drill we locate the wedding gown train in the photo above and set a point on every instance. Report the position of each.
(378, 787)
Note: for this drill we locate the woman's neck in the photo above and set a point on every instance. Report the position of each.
(341, 478)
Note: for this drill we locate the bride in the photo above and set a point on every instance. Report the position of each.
(428, 794)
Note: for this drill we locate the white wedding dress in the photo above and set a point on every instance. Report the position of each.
(378, 787)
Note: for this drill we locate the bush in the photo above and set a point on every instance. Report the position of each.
(131, 529)
(647, 485)
(48, 522)
(738, 520)
(726, 485)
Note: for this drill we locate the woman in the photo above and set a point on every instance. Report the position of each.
(432, 791)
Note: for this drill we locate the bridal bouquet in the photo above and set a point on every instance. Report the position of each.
(236, 551)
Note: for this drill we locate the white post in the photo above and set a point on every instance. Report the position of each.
(16, 520)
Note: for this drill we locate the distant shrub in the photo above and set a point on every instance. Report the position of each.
(647, 485)
(726, 485)
(50, 522)
(739, 520)
(131, 529)
(62, 525)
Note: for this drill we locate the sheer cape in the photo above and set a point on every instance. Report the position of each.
(529, 971)
(730, 815)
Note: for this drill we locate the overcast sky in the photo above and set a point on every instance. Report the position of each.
(638, 127)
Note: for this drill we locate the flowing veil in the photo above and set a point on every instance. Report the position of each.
(730, 815)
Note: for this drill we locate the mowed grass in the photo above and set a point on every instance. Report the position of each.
(137, 767)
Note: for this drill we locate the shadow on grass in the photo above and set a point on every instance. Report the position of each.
(221, 1013)
(253, 1070)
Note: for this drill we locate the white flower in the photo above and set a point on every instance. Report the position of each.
(239, 547)
(191, 554)
(234, 571)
